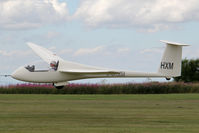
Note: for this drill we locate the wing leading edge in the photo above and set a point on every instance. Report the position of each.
(76, 68)
(90, 71)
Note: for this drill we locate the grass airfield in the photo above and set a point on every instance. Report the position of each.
(173, 113)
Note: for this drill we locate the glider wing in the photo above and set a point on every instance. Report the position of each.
(44, 53)
(74, 71)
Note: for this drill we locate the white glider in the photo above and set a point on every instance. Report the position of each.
(63, 71)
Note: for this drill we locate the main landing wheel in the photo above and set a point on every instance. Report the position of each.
(58, 87)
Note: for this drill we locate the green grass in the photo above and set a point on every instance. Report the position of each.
(176, 113)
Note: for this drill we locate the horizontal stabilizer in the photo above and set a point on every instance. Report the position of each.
(174, 43)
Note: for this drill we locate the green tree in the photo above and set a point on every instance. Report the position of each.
(190, 71)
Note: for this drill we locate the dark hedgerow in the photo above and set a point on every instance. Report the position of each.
(130, 88)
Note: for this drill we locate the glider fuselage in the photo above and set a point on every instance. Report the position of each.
(52, 76)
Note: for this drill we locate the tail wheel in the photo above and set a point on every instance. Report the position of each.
(168, 79)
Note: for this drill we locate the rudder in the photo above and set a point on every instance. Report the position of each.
(170, 65)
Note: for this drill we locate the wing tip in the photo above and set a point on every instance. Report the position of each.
(30, 44)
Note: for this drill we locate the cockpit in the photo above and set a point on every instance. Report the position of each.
(43, 67)
(30, 68)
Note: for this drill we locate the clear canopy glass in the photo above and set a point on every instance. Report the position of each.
(41, 66)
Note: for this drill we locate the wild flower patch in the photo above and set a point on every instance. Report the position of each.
(130, 88)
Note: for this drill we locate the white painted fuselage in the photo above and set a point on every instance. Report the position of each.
(51, 76)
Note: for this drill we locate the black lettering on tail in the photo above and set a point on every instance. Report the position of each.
(167, 65)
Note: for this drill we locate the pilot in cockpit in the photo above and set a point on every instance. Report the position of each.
(31, 68)
(54, 65)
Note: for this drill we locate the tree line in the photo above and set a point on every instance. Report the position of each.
(190, 71)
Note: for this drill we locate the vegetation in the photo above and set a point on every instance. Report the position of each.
(190, 71)
(139, 88)
(174, 113)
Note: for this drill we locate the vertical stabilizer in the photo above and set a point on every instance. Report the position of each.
(170, 65)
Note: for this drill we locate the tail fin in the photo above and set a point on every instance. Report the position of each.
(170, 65)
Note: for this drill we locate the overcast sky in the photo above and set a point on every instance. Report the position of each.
(119, 34)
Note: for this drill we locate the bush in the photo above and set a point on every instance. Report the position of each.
(190, 71)
(138, 88)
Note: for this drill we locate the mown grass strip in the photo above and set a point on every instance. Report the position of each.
(173, 113)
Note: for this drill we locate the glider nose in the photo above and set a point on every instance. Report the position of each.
(18, 74)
